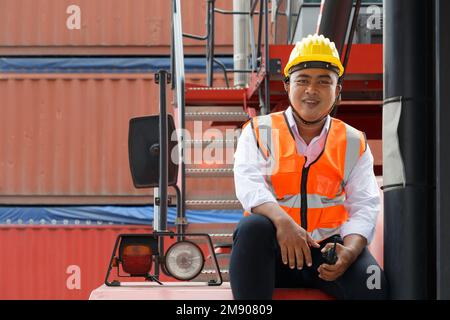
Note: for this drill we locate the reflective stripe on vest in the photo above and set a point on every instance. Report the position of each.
(327, 175)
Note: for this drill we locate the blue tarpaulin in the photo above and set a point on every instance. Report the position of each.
(99, 215)
(104, 65)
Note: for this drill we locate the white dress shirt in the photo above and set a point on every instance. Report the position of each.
(362, 193)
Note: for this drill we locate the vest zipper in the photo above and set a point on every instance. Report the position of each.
(304, 200)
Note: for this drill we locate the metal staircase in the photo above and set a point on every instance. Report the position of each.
(210, 184)
(223, 110)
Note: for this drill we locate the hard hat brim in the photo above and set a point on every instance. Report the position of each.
(309, 58)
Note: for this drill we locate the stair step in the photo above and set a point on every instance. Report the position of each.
(212, 271)
(221, 235)
(214, 204)
(213, 89)
(215, 172)
(221, 108)
(207, 275)
(214, 95)
(218, 116)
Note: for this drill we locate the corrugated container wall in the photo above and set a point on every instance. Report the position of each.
(36, 27)
(56, 262)
(64, 137)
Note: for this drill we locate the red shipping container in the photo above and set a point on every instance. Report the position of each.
(55, 262)
(64, 137)
(86, 27)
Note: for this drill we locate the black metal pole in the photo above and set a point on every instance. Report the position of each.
(162, 78)
(253, 6)
(350, 37)
(335, 20)
(163, 150)
(290, 40)
(289, 20)
(258, 53)
(210, 44)
(172, 49)
(252, 34)
(408, 149)
(181, 221)
(266, 108)
(224, 69)
(442, 47)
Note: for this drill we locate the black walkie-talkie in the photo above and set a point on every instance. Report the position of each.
(330, 256)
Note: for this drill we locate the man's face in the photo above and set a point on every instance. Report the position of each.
(312, 92)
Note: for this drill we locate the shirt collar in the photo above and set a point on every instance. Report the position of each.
(293, 124)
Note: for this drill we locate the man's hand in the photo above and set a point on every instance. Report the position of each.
(294, 243)
(347, 254)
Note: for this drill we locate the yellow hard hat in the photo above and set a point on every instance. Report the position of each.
(315, 48)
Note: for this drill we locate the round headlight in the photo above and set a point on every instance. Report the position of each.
(184, 260)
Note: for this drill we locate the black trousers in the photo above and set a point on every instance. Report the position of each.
(256, 267)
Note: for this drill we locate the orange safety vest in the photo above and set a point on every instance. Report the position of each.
(313, 196)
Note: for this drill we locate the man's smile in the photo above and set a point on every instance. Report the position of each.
(311, 102)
